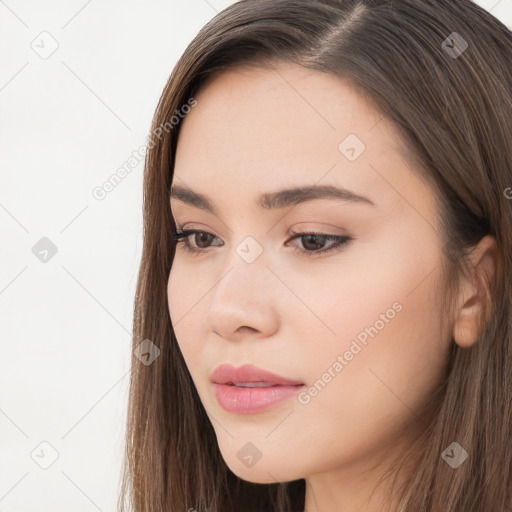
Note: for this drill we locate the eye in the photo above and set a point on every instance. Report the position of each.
(311, 240)
(184, 236)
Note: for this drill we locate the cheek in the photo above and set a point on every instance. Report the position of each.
(384, 385)
(386, 320)
(185, 296)
(181, 310)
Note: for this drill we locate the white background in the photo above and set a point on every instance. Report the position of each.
(67, 123)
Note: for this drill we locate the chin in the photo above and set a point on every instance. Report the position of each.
(262, 472)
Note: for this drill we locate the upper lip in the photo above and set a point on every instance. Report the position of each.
(228, 374)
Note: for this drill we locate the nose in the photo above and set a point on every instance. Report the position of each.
(244, 301)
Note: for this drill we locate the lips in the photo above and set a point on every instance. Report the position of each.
(250, 390)
(249, 375)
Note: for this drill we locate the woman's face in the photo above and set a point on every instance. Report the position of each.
(358, 326)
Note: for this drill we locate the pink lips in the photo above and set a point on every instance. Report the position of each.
(236, 394)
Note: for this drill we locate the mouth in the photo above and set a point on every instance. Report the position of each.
(249, 389)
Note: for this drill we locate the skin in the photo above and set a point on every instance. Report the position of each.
(256, 131)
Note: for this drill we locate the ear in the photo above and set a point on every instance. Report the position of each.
(474, 295)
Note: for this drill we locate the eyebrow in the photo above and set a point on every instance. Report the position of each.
(274, 200)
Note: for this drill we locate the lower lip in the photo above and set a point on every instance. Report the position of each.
(250, 400)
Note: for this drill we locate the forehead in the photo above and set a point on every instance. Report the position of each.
(259, 129)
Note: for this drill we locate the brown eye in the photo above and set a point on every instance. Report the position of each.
(200, 237)
(313, 242)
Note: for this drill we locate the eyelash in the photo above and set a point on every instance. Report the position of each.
(341, 242)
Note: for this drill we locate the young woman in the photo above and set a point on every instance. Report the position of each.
(324, 295)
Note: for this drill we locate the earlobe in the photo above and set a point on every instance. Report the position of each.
(475, 293)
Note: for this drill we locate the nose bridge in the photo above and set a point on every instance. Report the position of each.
(245, 266)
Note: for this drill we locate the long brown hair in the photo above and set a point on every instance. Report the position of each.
(450, 98)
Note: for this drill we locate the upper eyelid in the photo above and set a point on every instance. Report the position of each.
(296, 232)
(317, 230)
(180, 223)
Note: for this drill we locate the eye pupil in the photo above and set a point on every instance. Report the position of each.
(205, 238)
(312, 238)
